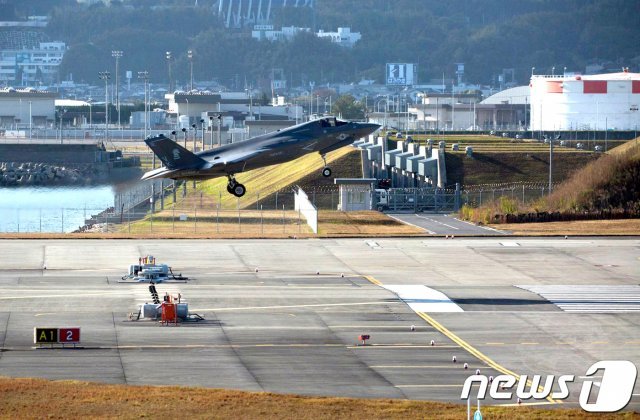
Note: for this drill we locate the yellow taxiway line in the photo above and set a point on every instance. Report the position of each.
(459, 341)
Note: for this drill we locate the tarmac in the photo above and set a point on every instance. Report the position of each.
(286, 315)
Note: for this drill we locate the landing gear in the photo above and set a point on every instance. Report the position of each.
(326, 171)
(234, 187)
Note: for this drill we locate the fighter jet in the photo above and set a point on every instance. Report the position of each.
(322, 135)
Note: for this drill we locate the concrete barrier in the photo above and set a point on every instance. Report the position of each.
(307, 209)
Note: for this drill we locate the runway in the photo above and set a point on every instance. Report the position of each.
(273, 324)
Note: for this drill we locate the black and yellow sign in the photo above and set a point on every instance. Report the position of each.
(45, 335)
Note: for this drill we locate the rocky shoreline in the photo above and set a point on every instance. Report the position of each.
(44, 174)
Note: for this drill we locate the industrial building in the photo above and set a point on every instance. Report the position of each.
(591, 102)
(21, 108)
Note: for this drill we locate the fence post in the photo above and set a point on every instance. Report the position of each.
(173, 218)
(239, 226)
(195, 218)
(456, 201)
(218, 218)
(261, 221)
(523, 193)
(283, 226)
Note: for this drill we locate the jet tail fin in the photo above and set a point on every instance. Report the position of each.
(172, 155)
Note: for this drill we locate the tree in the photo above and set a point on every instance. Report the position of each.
(347, 107)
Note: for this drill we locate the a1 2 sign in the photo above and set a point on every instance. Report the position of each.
(56, 335)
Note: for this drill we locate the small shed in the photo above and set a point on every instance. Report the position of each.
(355, 193)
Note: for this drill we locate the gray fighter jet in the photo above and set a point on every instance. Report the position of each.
(323, 135)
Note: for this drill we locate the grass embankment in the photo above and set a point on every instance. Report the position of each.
(37, 398)
(262, 183)
(609, 185)
(511, 167)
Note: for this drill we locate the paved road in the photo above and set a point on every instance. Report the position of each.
(287, 329)
(443, 224)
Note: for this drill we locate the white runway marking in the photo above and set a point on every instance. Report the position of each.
(421, 298)
(436, 221)
(591, 298)
(430, 232)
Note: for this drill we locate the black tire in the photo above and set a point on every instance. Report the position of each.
(239, 190)
(229, 189)
(326, 172)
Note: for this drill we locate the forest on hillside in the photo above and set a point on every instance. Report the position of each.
(487, 35)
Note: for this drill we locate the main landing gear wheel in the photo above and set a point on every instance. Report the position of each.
(326, 172)
(238, 190)
(234, 187)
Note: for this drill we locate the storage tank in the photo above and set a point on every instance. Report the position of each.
(594, 102)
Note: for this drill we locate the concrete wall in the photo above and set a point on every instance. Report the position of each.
(48, 153)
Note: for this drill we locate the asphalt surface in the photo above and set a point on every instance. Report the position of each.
(273, 324)
(443, 224)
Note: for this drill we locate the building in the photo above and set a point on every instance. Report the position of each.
(344, 37)
(20, 108)
(594, 102)
(27, 57)
(266, 32)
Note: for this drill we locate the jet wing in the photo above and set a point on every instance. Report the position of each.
(232, 158)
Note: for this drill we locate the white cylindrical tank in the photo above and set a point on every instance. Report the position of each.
(594, 102)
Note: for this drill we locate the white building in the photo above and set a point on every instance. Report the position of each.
(24, 107)
(595, 102)
(344, 37)
(27, 66)
(267, 32)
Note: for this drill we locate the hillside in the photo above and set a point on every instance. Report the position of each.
(487, 35)
(608, 187)
(610, 184)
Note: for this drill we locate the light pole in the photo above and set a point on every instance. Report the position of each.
(144, 75)
(117, 54)
(190, 57)
(62, 113)
(30, 120)
(168, 55)
(532, 69)
(105, 75)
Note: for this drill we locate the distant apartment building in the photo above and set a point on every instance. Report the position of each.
(27, 57)
(343, 37)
